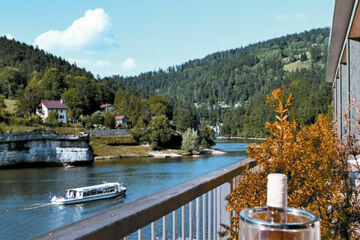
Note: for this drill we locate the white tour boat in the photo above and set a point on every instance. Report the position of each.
(90, 193)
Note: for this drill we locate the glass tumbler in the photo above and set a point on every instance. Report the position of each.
(299, 225)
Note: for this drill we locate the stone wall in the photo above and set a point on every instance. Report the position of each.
(39, 148)
(110, 132)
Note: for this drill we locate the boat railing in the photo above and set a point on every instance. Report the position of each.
(191, 210)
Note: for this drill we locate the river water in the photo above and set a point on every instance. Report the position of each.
(25, 211)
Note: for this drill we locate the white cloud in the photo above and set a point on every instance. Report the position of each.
(128, 64)
(85, 32)
(9, 36)
(298, 16)
(102, 63)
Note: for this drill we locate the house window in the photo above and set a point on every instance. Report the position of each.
(61, 116)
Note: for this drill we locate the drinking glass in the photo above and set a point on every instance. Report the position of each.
(299, 225)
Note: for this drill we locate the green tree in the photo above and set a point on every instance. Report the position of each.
(2, 108)
(73, 100)
(207, 136)
(160, 131)
(52, 84)
(136, 108)
(29, 99)
(97, 118)
(52, 119)
(315, 52)
(109, 120)
(161, 105)
(11, 80)
(86, 121)
(121, 102)
(183, 119)
(190, 140)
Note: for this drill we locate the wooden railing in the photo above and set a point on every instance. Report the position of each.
(207, 192)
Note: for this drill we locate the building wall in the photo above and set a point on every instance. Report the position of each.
(344, 99)
(338, 106)
(44, 113)
(354, 74)
(62, 115)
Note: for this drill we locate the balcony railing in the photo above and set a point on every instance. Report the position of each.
(167, 208)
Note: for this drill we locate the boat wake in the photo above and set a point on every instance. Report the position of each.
(26, 208)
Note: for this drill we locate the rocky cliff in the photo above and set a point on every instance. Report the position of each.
(44, 148)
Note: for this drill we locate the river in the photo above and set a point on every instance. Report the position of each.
(25, 211)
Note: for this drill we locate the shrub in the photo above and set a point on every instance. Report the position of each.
(160, 131)
(52, 119)
(97, 118)
(190, 140)
(317, 170)
(109, 120)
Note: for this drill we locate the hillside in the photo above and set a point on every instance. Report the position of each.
(28, 59)
(28, 74)
(234, 82)
(226, 88)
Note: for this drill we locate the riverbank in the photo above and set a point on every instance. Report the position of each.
(242, 138)
(168, 153)
(107, 148)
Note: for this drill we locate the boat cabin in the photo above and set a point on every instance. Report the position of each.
(93, 190)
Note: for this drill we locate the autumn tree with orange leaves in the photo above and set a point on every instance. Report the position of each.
(316, 165)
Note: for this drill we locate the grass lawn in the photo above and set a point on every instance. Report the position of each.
(101, 148)
(104, 146)
(18, 125)
(291, 67)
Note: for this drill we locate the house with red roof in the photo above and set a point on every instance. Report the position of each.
(105, 107)
(121, 120)
(46, 106)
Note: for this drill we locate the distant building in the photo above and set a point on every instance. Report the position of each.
(121, 120)
(343, 70)
(105, 107)
(47, 106)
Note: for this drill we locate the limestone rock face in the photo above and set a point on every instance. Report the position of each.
(44, 148)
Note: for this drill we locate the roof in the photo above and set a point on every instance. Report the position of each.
(100, 186)
(105, 105)
(119, 117)
(53, 104)
(341, 18)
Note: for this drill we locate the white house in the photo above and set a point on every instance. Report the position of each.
(120, 120)
(47, 106)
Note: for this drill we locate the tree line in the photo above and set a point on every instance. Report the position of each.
(229, 87)
(226, 88)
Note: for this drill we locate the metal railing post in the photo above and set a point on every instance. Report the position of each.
(198, 218)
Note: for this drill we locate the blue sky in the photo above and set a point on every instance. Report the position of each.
(127, 37)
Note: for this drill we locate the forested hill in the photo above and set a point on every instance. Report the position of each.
(28, 59)
(226, 88)
(232, 84)
(28, 75)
